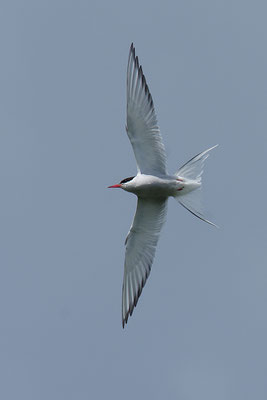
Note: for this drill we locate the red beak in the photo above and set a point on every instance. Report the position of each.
(115, 186)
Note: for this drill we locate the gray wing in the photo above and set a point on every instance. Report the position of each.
(141, 245)
(142, 127)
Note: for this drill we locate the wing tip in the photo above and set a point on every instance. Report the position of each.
(133, 58)
(131, 307)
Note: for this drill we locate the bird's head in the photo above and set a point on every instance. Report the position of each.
(124, 184)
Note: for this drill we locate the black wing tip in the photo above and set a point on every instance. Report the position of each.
(141, 75)
(136, 298)
(132, 52)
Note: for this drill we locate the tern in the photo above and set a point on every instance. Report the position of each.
(152, 185)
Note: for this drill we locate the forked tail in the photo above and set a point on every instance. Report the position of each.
(192, 171)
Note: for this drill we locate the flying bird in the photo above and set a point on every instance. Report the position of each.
(152, 185)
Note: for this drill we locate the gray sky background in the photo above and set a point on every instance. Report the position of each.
(200, 328)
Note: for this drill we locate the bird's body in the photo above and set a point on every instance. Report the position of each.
(152, 185)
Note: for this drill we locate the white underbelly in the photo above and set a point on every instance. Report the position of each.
(152, 186)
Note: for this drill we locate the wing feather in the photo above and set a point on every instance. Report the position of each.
(140, 250)
(142, 125)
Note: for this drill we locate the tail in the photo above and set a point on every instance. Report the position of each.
(193, 171)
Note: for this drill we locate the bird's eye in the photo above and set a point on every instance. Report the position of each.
(127, 179)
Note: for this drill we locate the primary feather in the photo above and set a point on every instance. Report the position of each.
(142, 126)
(141, 245)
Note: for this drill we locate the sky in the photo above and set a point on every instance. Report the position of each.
(199, 330)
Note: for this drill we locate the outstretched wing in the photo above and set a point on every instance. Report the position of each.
(141, 245)
(142, 127)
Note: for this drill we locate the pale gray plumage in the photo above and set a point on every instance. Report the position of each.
(141, 245)
(142, 125)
